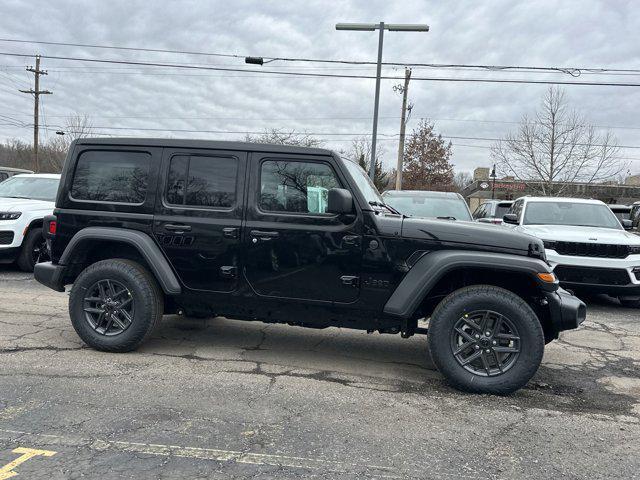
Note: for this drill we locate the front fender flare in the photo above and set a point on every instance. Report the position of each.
(431, 267)
(141, 241)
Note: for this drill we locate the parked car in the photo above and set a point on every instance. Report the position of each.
(25, 199)
(427, 204)
(634, 216)
(492, 211)
(6, 172)
(623, 212)
(144, 227)
(586, 244)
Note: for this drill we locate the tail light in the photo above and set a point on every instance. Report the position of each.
(49, 226)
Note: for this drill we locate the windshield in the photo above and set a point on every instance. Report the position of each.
(424, 206)
(501, 209)
(365, 185)
(623, 214)
(36, 188)
(570, 213)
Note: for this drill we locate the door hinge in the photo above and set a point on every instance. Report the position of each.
(228, 271)
(350, 280)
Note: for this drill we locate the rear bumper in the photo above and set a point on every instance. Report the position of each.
(50, 275)
(567, 312)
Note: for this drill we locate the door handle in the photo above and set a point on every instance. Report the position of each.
(263, 236)
(230, 232)
(172, 227)
(351, 240)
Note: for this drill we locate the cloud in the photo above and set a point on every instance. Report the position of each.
(543, 33)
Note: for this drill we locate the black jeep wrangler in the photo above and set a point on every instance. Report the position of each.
(144, 227)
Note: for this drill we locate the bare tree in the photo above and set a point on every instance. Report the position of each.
(283, 137)
(557, 147)
(76, 126)
(360, 153)
(461, 180)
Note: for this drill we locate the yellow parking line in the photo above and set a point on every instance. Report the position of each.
(323, 465)
(27, 453)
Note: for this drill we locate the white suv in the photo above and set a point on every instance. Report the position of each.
(24, 202)
(585, 243)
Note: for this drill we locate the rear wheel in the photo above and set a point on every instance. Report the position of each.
(34, 250)
(115, 304)
(486, 339)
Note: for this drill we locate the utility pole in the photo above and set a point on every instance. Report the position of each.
(493, 184)
(403, 125)
(36, 92)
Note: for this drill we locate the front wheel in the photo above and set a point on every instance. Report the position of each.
(34, 250)
(486, 339)
(115, 304)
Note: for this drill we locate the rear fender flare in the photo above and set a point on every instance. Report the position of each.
(141, 241)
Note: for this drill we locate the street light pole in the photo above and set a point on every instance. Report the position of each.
(392, 27)
(376, 105)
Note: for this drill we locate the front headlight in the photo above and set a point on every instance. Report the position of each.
(10, 215)
(634, 250)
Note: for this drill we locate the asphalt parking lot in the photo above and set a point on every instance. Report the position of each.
(227, 399)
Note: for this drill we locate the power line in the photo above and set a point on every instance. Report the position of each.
(320, 134)
(574, 71)
(323, 75)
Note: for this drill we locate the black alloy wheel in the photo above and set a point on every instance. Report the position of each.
(115, 305)
(485, 343)
(108, 307)
(486, 339)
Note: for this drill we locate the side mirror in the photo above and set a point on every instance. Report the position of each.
(627, 224)
(511, 218)
(339, 200)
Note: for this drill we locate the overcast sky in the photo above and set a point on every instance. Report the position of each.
(578, 33)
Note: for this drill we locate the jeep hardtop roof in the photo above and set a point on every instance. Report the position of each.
(204, 144)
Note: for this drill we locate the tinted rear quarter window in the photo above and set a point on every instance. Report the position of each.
(115, 176)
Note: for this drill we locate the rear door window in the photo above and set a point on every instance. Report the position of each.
(202, 181)
(113, 176)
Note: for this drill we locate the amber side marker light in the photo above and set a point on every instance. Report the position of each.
(547, 277)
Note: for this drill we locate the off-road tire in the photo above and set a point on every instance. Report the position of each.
(147, 298)
(25, 260)
(504, 302)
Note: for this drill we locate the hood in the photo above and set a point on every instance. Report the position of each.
(570, 233)
(24, 204)
(470, 233)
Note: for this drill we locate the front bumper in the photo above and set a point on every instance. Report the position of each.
(50, 275)
(566, 311)
(594, 282)
(9, 254)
